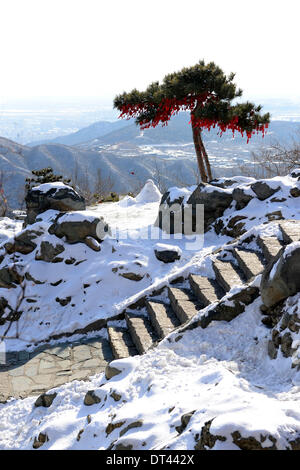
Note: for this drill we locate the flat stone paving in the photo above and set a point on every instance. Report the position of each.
(33, 373)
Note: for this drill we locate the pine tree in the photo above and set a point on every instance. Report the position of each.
(45, 175)
(207, 93)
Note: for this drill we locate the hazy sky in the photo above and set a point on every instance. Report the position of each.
(61, 48)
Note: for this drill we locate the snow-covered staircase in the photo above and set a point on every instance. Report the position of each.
(184, 302)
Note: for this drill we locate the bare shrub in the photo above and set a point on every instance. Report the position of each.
(278, 159)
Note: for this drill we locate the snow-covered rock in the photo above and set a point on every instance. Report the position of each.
(282, 277)
(167, 253)
(52, 196)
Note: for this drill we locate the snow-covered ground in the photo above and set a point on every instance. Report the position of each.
(222, 375)
(96, 285)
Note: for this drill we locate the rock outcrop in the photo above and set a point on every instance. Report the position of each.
(281, 278)
(76, 227)
(56, 196)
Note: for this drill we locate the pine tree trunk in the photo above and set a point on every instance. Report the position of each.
(205, 157)
(199, 155)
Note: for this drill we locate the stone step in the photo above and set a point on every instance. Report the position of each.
(206, 290)
(121, 342)
(226, 275)
(290, 230)
(142, 334)
(183, 303)
(249, 263)
(162, 318)
(270, 247)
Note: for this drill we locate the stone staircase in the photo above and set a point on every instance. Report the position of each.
(143, 332)
(234, 265)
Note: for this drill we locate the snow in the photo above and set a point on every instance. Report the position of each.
(149, 193)
(290, 248)
(273, 270)
(76, 216)
(45, 187)
(165, 246)
(109, 293)
(175, 193)
(8, 228)
(222, 373)
(130, 249)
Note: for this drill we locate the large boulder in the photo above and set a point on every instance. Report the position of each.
(77, 226)
(215, 200)
(170, 216)
(263, 190)
(281, 278)
(56, 196)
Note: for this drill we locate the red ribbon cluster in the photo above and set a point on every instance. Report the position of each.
(171, 106)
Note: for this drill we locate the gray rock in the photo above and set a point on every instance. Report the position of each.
(23, 243)
(232, 307)
(215, 202)
(132, 276)
(207, 440)
(40, 440)
(91, 398)
(4, 306)
(77, 231)
(123, 447)
(176, 214)
(262, 190)
(135, 424)
(295, 192)
(251, 443)
(91, 243)
(222, 184)
(285, 279)
(295, 173)
(286, 344)
(111, 371)
(9, 277)
(48, 252)
(276, 215)
(61, 199)
(185, 419)
(241, 198)
(167, 256)
(63, 302)
(272, 350)
(235, 228)
(116, 396)
(29, 277)
(45, 400)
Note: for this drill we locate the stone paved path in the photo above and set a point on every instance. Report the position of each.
(27, 373)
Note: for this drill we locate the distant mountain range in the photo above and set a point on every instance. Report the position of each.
(177, 131)
(128, 157)
(86, 134)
